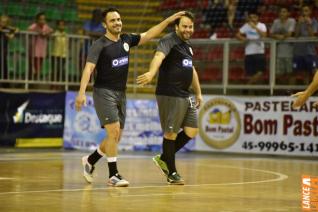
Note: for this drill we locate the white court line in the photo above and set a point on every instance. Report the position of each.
(279, 178)
(280, 175)
(7, 178)
(71, 156)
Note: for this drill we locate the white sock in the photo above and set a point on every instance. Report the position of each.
(111, 159)
(100, 152)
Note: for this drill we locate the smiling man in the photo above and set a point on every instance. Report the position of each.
(177, 110)
(109, 55)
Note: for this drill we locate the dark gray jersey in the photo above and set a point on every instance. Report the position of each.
(176, 70)
(112, 61)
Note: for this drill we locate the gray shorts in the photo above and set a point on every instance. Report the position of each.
(110, 106)
(176, 113)
(284, 65)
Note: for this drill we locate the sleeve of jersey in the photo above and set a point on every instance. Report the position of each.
(165, 45)
(134, 39)
(93, 53)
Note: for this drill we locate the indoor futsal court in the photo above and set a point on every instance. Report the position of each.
(53, 181)
(214, 86)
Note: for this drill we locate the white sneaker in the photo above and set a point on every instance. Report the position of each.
(117, 181)
(88, 170)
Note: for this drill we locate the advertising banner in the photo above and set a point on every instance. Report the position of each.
(142, 128)
(82, 129)
(265, 125)
(31, 119)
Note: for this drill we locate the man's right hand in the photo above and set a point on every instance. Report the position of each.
(301, 98)
(80, 101)
(175, 16)
(145, 78)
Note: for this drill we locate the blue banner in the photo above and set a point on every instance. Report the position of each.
(31, 119)
(142, 128)
(82, 129)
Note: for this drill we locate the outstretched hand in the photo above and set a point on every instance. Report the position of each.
(144, 78)
(301, 98)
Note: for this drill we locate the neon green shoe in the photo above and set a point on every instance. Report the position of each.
(161, 165)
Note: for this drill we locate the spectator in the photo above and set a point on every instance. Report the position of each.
(59, 53)
(94, 29)
(305, 56)
(231, 6)
(250, 33)
(215, 16)
(38, 43)
(6, 33)
(283, 28)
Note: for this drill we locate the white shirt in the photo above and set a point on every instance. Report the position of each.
(253, 46)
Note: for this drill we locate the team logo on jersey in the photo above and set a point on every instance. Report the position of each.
(187, 63)
(191, 50)
(120, 61)
(126, 47)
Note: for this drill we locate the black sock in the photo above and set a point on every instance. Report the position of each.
(168, 154)
(112, 167)
(94, 157)
(181, 140)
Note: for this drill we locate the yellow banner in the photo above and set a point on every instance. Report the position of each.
(39, 142)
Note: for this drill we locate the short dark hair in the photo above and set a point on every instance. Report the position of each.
(252, 12)
(284, 7)
(110, 9)
(306, 5)
(37, 16)
(186, 14)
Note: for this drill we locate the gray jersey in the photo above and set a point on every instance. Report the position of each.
(284, 50)
(306, 48)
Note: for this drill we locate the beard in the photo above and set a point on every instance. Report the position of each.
(186, 36)
(114, 30)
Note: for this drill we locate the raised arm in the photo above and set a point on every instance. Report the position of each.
(153, 69)
(261, 32)
(301, 97)
(240, 36)
(156, 30)
(197, 89)
(81, 98)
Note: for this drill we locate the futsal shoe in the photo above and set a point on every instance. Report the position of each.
(117, 181)
(175, 179)
(88, 170)
(161, 165)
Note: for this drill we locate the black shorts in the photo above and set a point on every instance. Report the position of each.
(110, 106)
(308, 63)
(254, 63)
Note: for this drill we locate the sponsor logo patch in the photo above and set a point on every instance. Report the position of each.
(187, 63)
(120, 61)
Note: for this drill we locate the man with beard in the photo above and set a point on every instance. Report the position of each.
(110, 56)
(177, 110)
